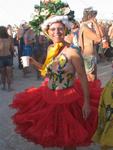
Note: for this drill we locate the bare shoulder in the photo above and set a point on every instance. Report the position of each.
(84, 25)
(75, 57)
(73, 52)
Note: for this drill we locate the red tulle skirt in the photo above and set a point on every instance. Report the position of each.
(54, 118)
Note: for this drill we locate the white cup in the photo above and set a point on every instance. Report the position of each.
(25, 61)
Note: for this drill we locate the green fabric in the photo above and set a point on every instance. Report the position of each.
(104, 132)
(111, 42)
(89, 62)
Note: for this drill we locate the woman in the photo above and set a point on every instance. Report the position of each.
(6, 50)
(59, 112)
(104, 132)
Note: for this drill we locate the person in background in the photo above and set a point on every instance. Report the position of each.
(40, 50)
(10, 33)
(110, 35)
(29, 40)
(20, 39)
(75, 32)
(16, 43)
(10, 30)
(104, 132)
(73, 36)
(89, 35)
(103, 46)
(6, 50)
(60, 112)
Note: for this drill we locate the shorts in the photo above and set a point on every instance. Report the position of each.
(6, 61)
(90, 62)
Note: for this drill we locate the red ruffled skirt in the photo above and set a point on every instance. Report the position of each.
(54, 118)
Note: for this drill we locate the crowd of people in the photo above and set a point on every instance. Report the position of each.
(24, 41)
(63, 110)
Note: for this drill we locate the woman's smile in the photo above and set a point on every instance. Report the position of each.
(56, 31)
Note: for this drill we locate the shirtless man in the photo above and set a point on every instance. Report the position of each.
(110, 34)
(89, 35)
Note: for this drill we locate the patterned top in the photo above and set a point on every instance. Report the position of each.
(61, 73)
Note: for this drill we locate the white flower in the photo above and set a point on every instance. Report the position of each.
(44, 13)
(66, 10)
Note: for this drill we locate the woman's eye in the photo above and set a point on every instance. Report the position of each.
(58, 29)
(52, 29)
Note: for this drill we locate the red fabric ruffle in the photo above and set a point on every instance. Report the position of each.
(54, 118)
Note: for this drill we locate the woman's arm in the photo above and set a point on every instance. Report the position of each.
(95, 36)
(35, 63)
(79, 67)
(38, 65)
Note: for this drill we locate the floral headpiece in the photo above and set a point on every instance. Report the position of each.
(60, 10)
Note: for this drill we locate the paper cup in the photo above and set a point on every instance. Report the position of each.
(25, 61)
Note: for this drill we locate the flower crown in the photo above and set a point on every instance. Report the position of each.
(43, 12)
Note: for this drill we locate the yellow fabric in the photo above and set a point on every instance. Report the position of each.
(104, 132)
(52, 52)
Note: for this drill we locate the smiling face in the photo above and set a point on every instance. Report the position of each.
(56, 32)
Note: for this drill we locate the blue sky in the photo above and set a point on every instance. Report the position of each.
(14, 11)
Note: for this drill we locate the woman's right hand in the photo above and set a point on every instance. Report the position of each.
(35, 63)
(32, 61)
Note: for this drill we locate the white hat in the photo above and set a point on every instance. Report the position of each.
(56, 18)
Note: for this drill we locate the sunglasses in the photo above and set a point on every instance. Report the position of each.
(58, 29)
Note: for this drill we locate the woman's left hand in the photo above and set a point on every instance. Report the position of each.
(86, 110)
